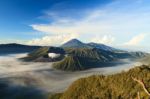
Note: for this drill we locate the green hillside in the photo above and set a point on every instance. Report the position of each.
(42, 53)
(117, 86)
(69, 63)
(36, 54)
(93, 53)
(73, 59)
(82, 58)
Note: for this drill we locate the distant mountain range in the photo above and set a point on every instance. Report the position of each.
(76, 55)
(13, 48)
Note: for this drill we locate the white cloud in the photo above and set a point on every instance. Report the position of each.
(97, 21)
(136, 40)
(54, 29)
(107, 39)
(52, 40)
(115, 19)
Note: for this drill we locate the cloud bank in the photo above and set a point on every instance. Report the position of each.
(52, 40)
(136, 40)
(112, 24)
(106, 39)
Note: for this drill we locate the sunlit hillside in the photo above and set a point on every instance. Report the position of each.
(117, 86)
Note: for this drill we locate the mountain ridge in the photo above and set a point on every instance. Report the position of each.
(12, 48)
(76, 55)
(75, 43)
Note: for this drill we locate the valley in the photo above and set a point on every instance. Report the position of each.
(43, 77)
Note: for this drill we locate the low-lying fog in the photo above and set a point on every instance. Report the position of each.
(43, 77)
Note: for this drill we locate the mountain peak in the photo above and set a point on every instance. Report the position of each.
(74, 43)
(75, 40)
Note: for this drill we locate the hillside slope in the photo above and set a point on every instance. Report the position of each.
(73, 59)
(102, 46)
(117, 86)
(69, 63)
(74, 43)
(83, 58)
(41, 54)
(92, 53)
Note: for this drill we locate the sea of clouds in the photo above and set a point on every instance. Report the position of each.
(43, 77)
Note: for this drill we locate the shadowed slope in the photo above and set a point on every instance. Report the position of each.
(83, 58)
(69, 63)
(36, 54)
(94, 53)
(41, 54)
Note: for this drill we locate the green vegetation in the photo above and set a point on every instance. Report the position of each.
(78, 58)
(94, 53)
(55, 96)
(69, 63)
(43, 53)
(82, 58)
(36, 54)
(117, 86)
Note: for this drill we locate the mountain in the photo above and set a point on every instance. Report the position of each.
(69, 63)
(75, 59)
(74, 43)
(91, 53)
(71, 59)
(84, 58)
(75, 55)
(41, 54)
(131, 55)
(123, 85)
(13, 48)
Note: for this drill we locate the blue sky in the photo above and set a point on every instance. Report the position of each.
(119, 23)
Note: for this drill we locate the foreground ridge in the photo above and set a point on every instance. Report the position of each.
(117, 86)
